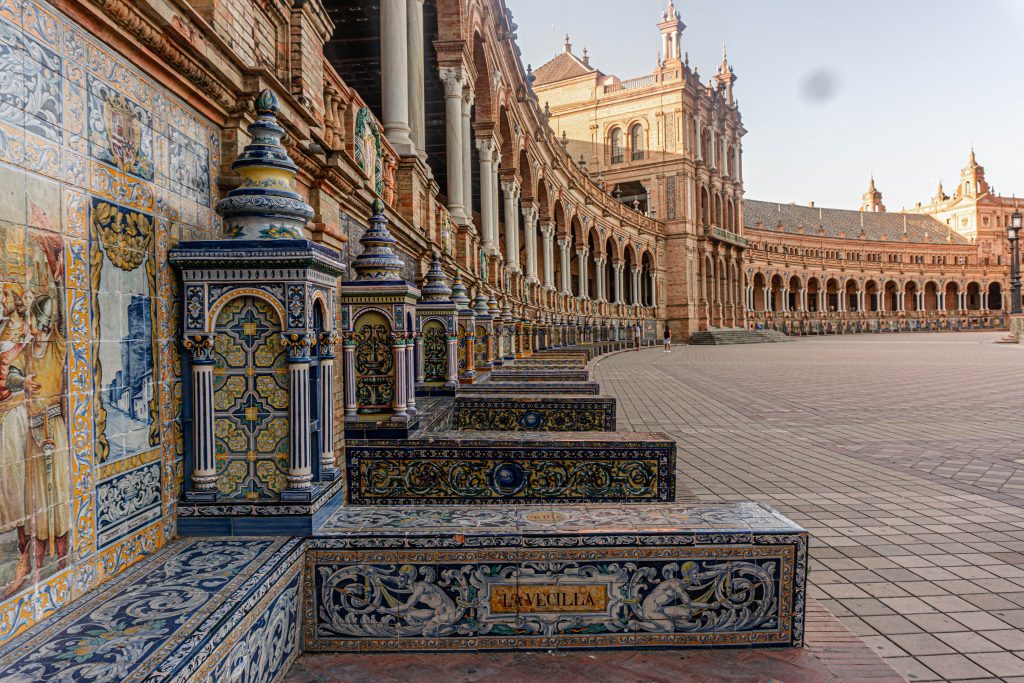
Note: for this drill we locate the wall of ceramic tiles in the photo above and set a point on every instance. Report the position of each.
(101, 172)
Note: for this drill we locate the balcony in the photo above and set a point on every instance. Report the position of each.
(723, 235)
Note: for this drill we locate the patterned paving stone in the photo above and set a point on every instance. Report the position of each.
(901, 455)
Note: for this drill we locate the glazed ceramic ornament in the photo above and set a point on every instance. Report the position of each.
(265, 206)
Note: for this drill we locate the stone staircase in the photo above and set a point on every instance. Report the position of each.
(736, 336)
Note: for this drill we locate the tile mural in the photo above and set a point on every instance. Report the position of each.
(101, 172)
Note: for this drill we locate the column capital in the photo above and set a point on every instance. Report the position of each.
(487, 148)
(468, 98)
(582, 251)
(298, 345)
(452, 77)
(510, 188)
(530, 214)
(201, 348)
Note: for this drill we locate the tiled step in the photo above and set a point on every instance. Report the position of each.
(207, 609)
(729, 336)
(384, 579)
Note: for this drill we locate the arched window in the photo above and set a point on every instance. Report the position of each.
(616, 140)
(636, 141)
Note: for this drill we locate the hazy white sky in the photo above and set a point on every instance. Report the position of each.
(909, 84)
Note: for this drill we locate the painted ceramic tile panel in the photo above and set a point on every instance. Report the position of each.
(35, 467)
(89, 201)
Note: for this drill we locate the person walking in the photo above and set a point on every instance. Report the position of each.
(668, 340)
(636, 335)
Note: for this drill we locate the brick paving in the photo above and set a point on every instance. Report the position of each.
(901, 454)
(832, 655)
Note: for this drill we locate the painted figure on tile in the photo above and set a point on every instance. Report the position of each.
(428, 610)
(368, 152)
(35, 467)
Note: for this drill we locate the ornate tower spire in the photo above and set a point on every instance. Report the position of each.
(725, 77)
(265, 206)
(671, 27)
(972, 179)
(872, 199)
(567, 46)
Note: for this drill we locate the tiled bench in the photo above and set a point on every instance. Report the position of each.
(547, 388)
(208, 609)
(512, 374)
(583, 576)
(534, 413)
(469, 467)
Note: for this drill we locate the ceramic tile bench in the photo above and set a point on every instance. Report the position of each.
(539, 387)
(480, 467)
(207, 609)
(582, 576)
(536, 412)
(513, 374)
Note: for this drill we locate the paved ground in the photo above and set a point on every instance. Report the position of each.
(832, 655)
(901, 454)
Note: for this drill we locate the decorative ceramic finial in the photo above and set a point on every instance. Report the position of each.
(492, 307)
(378, 262)
(480, 306)
(436, 287)
(459, 293)
(265, 206)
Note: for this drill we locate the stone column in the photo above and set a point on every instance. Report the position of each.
(984, 299)
(467, 155)
(348, 350)
(582, 252)
(204, 453)
(328, 463)
(548, 233)
(452, 78)
(635, 284)
(509, 188)
(530, 238)
(417, 109)
(565, 284)
(485, 147)
(599, 270)
(394, 74)
(398, 403)
(300, 463)
(654, 288)
(700, 138)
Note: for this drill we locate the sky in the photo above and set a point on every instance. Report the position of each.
(831, 91)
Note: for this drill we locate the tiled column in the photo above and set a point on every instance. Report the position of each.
(300, 462)
(394, 70)
(204, 455)
(410, 373)
(328, 463)
(398, 403)
(485, 148)
(420, 372)
(348, 352)
(453, 361)
(452, 78)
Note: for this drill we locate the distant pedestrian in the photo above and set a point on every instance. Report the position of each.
(636, 336)
(668, 340)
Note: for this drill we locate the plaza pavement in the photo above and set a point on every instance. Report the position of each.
(902, 455)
